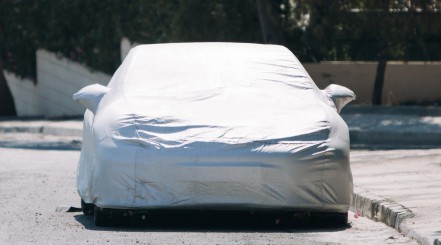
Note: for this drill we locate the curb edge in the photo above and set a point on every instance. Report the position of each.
(388, 212)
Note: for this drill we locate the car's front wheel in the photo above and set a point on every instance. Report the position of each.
(87, 208)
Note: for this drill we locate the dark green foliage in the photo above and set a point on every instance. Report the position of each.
(17, 37)
(84, 31)
(192, 20)
(361, 29)
(90, 31)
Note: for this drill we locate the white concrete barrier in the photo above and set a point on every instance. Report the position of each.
(57, 79)
(25, 95)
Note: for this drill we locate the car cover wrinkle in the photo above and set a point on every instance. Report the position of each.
(163, 137)
(273, 193)
(233, 164)
(284, 74)
(289, 66)
(175, 203)
(287, 147)
(304, 85)
(126, 76)
(131, 114)
(165, 125)
(196, 95)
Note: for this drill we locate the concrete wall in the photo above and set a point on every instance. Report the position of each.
(410, 81)
(58, 78)
(24, 94)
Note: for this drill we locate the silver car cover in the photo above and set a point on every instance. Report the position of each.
(214, 125)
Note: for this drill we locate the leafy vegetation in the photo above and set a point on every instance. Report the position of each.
(90, 31)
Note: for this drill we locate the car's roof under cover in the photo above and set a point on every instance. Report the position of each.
(207, 65)
(240, 91)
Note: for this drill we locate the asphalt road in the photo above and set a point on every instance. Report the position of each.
(35, 181)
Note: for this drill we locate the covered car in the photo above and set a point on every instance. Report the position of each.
(213, 126)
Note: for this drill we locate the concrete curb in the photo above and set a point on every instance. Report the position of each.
(33, 130)
(60, 131)
(387, 211)
(63, 128)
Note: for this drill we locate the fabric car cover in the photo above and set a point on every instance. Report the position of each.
(214, 125)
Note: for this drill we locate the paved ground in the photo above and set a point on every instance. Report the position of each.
(399, 188)
(406, 182)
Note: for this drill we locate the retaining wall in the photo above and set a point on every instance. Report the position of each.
(58, 78)
(404, 81)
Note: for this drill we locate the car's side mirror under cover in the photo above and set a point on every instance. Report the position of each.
(90, 96)
(339, 95)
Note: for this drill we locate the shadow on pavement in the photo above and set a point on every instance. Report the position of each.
(216, 221)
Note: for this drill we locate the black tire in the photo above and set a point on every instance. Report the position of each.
(87, 208)
(101, 217)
